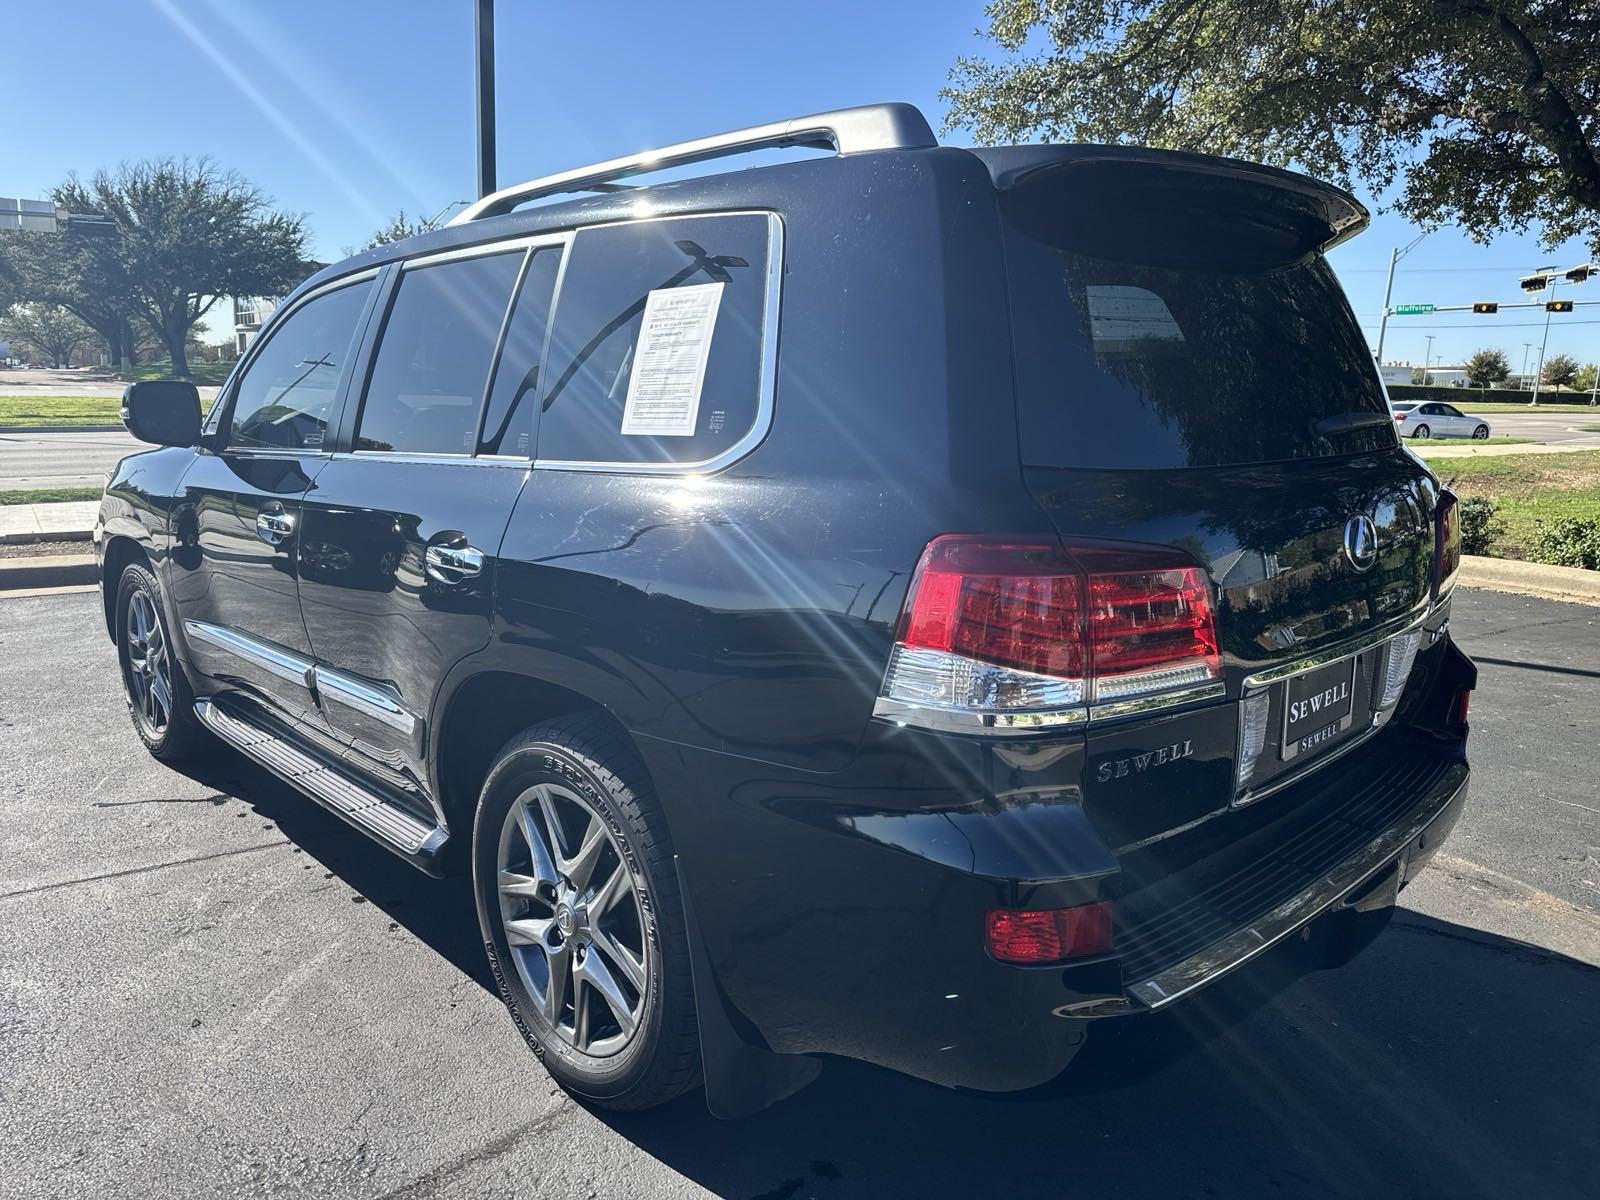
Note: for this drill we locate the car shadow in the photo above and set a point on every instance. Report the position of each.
(1442, 1061)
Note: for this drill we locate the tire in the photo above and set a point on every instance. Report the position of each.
(166, 724)
(1481, 433)
(558, 784)
(1421, 431)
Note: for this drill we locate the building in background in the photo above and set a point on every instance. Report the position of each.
(250, 313)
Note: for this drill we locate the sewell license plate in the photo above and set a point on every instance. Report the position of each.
(1319, 706)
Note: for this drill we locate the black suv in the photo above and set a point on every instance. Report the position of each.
(905, 604)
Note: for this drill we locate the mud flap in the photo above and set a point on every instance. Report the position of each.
(741, 1077)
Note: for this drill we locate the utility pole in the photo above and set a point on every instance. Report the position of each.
(486, 138)
(1388, 291)
(1538, 371)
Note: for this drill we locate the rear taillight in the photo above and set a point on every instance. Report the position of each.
(1458, 710)
(1017, 633)
(1050, 935)
(1399, 416)
(1446, 541)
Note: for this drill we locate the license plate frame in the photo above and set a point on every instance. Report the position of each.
(1320, 729)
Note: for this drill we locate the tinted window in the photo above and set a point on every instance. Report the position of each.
(1450, 410)
(513, 397)
(599, 315)
(287, 392)
(427, 380)
(1124, 364)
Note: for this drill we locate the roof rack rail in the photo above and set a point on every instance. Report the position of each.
(846, 130)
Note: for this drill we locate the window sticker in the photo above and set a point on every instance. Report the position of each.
(669, 361)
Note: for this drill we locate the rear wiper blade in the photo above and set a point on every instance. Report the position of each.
(1345, 422)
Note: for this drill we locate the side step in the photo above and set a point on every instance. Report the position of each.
(414, 840)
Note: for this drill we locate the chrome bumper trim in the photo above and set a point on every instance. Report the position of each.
(1240, 947)
(272, 659)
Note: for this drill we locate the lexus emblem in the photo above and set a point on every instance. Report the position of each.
(1361, 542)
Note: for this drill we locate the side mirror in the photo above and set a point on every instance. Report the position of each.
(165, 412)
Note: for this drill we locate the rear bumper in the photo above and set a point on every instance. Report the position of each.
(1403, 848)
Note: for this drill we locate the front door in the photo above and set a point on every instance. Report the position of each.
(236, 544)
(401, 532)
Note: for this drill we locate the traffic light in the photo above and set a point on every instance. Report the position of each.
(1558, 306)
(1485, 306)
(1535, 283)
(1580, 274)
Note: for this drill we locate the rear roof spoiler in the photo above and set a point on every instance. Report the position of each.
(1335, 213)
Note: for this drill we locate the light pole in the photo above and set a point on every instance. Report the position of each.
(1388, 291)
(486, 139)
(1538, 370)
(1427, 360)
(1526, 346)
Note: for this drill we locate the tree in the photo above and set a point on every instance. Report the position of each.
(1559, 371)
(1488, 367)
(45, 331)
(1584, 380)
(187, 233)
(1485, 113)
(80, 271)
(398, 229)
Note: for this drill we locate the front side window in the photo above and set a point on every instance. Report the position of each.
(427, 380)
(655, 352)
(286, 395)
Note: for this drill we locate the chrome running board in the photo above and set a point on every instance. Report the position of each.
(367, 810)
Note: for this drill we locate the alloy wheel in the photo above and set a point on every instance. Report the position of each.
(570, 907)
(149, 666)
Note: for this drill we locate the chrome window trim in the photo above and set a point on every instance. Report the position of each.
(284, 664)
(1332, 654)
(767, 385)
(484, 249)
(435, 458)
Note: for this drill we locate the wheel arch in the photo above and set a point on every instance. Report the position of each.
(120, 550)
(481, 710)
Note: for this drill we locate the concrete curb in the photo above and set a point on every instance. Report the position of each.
(1571, 584)
(47, 570)
(117, 428)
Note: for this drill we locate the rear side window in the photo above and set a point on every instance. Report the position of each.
(427, 381)
(698, 393)
(1124, 364)
(286, 393)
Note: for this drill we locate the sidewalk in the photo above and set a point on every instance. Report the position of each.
(1431, 450)
(47, 522)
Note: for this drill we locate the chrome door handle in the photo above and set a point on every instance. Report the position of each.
(274, 528)
(452, 564)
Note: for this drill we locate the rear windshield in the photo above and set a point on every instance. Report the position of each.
(1125, 364)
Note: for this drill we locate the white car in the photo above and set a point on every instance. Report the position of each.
(1436, 419)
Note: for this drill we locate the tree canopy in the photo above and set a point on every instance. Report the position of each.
(1488, 367)
(398, 229)
(45, 331)
(184, 234)
(1559, 370)
(1484, 113)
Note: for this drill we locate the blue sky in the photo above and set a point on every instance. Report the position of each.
(346, 110)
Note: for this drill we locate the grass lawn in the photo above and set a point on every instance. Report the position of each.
(50, 495)
(1423, 445)
(1489, 408)
(1527, 488)
(65, 410)
(199, 372)
(1590, 428)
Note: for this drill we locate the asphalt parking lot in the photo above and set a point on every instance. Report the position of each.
(208, 986)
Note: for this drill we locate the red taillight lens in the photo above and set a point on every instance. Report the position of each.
(1447, 541)
(1015, 604)
(1458, 710)
(1399, 416)
(1050, 936)
(1012, 625)
(1150, 621)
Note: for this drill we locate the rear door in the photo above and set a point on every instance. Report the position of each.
(401, 530)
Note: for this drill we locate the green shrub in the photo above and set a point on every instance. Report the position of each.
(1478, 527)
(1567, 542)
